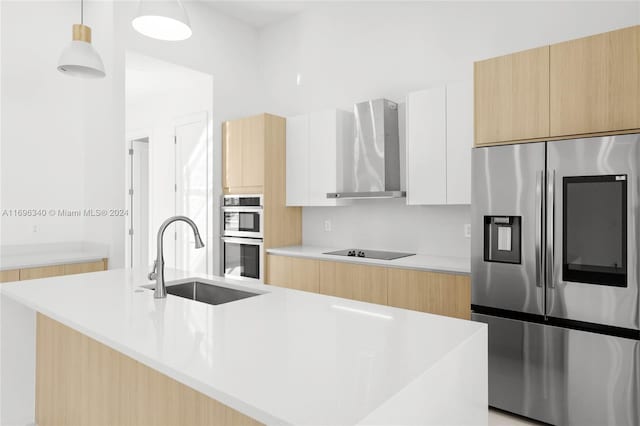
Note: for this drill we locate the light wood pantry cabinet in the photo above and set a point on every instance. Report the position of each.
(595, 83)
(439, 142)
(53, 270)
(254, 162)
(314, 156)
(432, 292)
(512, 97)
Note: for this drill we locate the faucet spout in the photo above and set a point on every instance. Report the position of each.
(157, 273)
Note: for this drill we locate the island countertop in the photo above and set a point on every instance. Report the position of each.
(284, 357)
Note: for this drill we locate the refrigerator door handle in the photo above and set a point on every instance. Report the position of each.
(539, 218)
(551, 206)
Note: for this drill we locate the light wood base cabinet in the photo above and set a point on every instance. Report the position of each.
(353, 281)
(431, 292)
(436, 293)
(80, 381)
(298, 274)
(53, 271)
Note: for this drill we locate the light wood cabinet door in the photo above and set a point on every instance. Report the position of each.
(41, 272)
(595, 83)
(81, 268)
(352, 281)
(9, 275)
(436, 293)
(511, 98)
(291, 272)
(253, 146)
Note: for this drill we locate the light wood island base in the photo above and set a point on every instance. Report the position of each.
(80, 381)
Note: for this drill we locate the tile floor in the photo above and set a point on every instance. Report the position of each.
(500, 418)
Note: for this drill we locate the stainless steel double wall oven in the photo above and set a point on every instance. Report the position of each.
(242, 237)
(555, 256)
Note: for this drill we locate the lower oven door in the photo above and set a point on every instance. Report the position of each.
(243, 258)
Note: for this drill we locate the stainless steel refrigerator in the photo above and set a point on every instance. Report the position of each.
(554, 270)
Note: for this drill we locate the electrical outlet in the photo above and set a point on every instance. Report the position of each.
(467, 230)
(327, 225)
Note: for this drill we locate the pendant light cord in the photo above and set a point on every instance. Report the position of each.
(82, 12)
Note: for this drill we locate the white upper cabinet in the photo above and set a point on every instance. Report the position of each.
(439, 140)
(314, 156)
(459, 142)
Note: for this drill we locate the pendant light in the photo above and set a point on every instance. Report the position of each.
(80, 59)
(163, 20)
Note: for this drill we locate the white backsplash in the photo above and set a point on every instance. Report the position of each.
(389, 225)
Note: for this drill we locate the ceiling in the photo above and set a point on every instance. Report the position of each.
(259, 14)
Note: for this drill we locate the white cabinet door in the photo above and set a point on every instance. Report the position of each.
(322, 157)
(459, 142)
(297, 158)
(426, 147)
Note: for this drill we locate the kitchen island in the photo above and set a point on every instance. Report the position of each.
(283, 357)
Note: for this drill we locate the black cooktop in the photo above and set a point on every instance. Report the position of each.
(370, 254)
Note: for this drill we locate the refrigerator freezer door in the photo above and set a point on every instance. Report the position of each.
(593, 226)
(508, 181)
(562, 376)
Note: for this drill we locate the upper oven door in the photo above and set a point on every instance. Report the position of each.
(242, 222)
(592, 227)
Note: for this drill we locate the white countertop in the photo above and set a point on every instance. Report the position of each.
(423, 262)
(33, 256)
(284, 357)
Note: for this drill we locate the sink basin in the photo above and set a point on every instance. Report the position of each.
(205, 292)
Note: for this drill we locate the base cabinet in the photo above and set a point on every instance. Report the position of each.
(431, 292)
(53, 271)
(80, 381)
(436, 293)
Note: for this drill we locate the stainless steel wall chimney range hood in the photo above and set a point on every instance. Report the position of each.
(372, 162)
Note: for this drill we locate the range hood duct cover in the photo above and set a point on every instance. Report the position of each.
(372, 162)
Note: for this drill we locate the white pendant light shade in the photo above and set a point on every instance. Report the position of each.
(162, 20)
(79, 58)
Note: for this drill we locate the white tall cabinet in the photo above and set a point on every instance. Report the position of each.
(314, 156)
(439, 133)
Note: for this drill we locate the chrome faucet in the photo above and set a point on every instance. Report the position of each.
(157, 274)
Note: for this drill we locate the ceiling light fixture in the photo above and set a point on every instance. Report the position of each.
(163, 20)
(80, 59)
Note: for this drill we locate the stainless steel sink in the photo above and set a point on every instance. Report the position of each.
(205, 292)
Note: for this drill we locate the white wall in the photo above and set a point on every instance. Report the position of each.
(57, 148)
(62, 138)
(353, 51)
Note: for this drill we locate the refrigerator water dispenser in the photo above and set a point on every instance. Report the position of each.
(502, 239)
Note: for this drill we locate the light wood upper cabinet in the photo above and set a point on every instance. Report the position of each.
(439, 142)
(512, 97)
(595, 83)
(243, 155)
(353, 281)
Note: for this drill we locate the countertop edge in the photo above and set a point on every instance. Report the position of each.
(286, 251)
